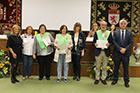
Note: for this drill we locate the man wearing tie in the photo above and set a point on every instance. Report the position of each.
(123, 41)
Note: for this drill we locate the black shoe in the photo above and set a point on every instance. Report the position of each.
(96, 82)
(16, 80)
(126, 85)
(104, 82)
(78, 79)
(74, 78)
(13, 81)
(48, 78)
(40, 78)
(114, 82)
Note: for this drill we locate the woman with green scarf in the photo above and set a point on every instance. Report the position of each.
(63, 44)
(43, 48)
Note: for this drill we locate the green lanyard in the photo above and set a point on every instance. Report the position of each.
(105, 37)
(40, 41)
(63, 41)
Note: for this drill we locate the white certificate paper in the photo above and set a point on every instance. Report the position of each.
(102, 44)
(47, 41)
(63, 48)
(89, 39)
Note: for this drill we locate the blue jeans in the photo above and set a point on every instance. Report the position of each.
(61, 61)
(27, 61)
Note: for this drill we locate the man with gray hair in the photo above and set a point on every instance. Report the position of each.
(102, 54)
(123, 41)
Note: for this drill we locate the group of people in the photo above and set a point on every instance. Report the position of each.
(122, 40)
(69, 48)
(27, 47)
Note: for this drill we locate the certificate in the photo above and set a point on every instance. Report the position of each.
(47, 41)
(63, 48)
(102, 44)
(89, 39)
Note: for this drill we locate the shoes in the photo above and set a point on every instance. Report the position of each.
(114, 82)
(78, 79)
(65, 80)
(96, 82)
(40, 78)
(30, 78)
(16, 80)
(13, 80)
(126, 85)
(23, 78)
(48, 78)
(104, 82)
(74, 78)
(58, 80)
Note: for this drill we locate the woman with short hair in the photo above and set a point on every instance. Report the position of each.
(43, 48)
(63, 56)
(28, 40)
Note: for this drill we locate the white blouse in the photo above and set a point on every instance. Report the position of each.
(27, 44)
(76, 40)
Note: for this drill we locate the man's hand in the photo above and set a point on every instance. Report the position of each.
(123, 50)
(96, 44)
(107, 44)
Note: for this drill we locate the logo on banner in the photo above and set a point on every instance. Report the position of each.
(1, 12)
(113, 13)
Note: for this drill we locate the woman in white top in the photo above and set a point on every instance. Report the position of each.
(28, 40)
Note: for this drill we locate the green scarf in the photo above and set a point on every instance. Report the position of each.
(105, 37)
(63, 41)
(40, 41)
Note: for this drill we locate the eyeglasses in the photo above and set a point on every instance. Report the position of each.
(104, 24)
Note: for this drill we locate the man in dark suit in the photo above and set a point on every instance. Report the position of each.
(102, 54)
(123, 41)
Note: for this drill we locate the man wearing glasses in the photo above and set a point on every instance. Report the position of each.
(102, 53)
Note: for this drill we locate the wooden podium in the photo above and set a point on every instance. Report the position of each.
(3, 43)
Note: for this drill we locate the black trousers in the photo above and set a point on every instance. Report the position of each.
(76, 65)
(44, 62)
(125, 62)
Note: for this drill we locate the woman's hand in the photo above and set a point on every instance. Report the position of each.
(57, 48)
(34, 56)
(49, 44)
(82, 53)
(14, 55)
(69, 48)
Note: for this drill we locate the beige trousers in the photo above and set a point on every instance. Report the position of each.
(104, 58)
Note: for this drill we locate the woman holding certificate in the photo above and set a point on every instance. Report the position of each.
(63, 44)
(79, 46)
(43, 47)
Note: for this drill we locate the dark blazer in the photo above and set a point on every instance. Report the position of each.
(81, 44)
(98, 50)
(117, 42)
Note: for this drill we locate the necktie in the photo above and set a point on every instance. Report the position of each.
(122, 38)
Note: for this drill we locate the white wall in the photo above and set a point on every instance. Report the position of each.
(54, 13)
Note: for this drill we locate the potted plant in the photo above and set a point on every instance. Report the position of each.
(110, 69)
(5, 66)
